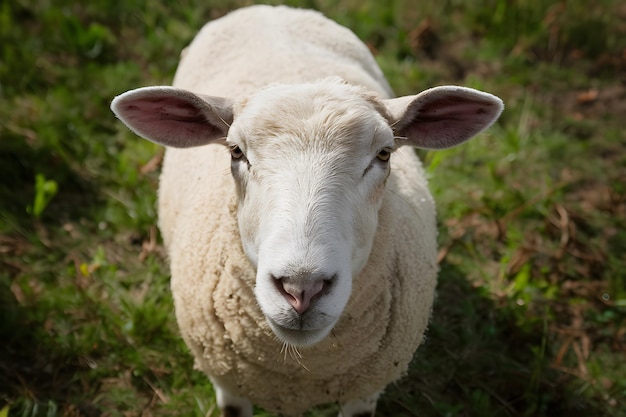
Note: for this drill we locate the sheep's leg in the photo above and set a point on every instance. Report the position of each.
(230, 404)
(363, 407)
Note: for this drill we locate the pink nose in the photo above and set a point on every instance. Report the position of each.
(300, 294)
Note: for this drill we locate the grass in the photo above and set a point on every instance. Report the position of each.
(530, 317)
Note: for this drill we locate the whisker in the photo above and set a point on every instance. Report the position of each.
(297, 356)
(224, 121)
(392, 125)
(284, 348)
(296, 353)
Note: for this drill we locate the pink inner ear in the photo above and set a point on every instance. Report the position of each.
(446, 119)
(164, 111)
(454, 108)
(168, 120)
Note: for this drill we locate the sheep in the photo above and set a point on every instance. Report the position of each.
(300, 230)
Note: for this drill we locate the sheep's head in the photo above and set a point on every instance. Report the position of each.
(310, 163)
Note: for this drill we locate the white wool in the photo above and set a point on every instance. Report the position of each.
(212, 280)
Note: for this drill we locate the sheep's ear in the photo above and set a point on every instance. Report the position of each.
(173, 117)
(442, 117)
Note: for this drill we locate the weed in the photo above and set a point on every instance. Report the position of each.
(45, 190)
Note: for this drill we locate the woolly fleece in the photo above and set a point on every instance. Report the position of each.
(212, 280)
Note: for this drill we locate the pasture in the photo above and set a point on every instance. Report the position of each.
(530, 318)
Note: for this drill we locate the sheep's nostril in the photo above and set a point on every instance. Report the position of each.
(300, 293)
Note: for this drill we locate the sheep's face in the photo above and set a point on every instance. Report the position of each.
(310, 164)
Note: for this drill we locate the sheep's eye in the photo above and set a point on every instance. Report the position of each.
(236, 152)
(384, 154)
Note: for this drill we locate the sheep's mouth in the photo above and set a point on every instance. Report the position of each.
(300, 335)
(309, 321)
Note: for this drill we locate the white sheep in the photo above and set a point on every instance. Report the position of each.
(301, 234)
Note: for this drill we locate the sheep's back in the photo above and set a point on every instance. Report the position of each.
(255, 46)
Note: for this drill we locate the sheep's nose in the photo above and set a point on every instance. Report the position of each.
(300, 293)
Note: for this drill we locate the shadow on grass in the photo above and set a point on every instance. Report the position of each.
(478, 361)
(33, 365)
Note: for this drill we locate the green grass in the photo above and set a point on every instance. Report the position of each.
(530, 319)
